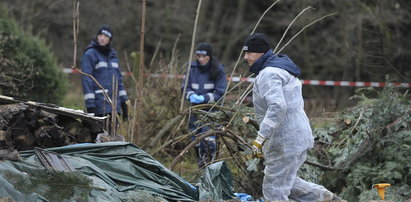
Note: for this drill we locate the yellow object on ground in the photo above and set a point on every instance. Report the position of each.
(381, 189)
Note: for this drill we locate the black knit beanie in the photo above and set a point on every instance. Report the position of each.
(204, 48)
(257, 42)
(106, 30)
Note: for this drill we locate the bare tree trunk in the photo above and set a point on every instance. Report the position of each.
(76, 27)
(191, 55)
(140, 76)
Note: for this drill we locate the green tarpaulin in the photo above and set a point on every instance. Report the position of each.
(216, 183)
(117, 171)
(118, 168)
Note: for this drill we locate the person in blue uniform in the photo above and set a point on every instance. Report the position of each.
(206, 84)
(101, 61)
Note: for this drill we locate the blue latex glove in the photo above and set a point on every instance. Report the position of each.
(244, 197)
(194, 98)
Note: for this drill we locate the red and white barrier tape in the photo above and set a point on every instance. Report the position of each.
(304, 82)
(351, 83)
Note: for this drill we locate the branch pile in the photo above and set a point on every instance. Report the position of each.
(369, 143)
(366, 144)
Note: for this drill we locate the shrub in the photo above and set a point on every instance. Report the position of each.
(28, 69)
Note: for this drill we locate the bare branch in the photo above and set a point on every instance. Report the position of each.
(191, 56)
(76, 27)
(289, 25)
(241, 52)
(331, 14)
(139, 86)
(155, 53)
(97, 83)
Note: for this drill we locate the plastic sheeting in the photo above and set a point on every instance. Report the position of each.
(216, 183)
(120, 170)
(119, 167)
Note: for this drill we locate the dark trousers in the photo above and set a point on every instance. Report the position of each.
(206, 149)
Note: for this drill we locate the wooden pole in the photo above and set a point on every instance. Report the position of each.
(76, 26)
(140, 76)
(191, 56)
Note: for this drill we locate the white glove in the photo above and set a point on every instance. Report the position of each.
(257, 146)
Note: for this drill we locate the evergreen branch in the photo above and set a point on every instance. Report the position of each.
(77, 185)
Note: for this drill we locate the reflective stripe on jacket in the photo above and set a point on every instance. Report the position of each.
(200, 83)
(102, 68)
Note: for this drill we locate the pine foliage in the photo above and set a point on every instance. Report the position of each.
(53, 186)
(28, 69)
(369, 144)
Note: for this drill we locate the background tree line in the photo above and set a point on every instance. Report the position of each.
(365, 41)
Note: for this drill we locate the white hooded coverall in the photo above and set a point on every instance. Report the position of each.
(279, 105)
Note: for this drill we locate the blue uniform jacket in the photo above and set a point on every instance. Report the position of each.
(102, 68)
(200, 83)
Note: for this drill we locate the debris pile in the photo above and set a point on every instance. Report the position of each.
(367, 144)
(26, 125)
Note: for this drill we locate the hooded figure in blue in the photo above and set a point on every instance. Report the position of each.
(101, 61)
(284, 134)
(206, 84)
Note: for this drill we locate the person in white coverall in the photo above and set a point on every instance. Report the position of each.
(285, 134)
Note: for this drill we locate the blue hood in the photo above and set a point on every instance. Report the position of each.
(105, 50)
(269, 59)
